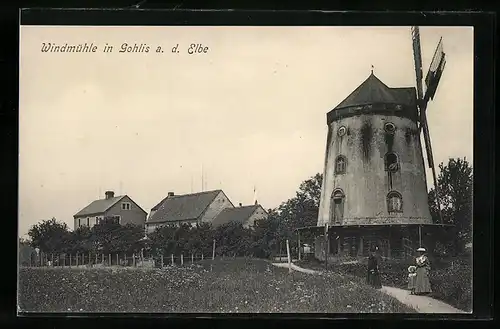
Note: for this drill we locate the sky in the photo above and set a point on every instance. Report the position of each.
(250, 112)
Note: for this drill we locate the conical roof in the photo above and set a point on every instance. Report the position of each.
(371, 91)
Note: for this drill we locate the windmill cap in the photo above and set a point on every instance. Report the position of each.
(421, 249)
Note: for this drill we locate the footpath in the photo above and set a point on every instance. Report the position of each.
(422, 304)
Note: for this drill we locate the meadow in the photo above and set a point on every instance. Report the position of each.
(220, 286)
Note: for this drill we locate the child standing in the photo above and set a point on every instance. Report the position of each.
(412, 278)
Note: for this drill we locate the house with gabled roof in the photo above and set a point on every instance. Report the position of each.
(121, 208)
(246, 215)
(190, 209)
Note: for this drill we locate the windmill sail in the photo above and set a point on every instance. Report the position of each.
(435, 71)
(417, 56)
(431, 80)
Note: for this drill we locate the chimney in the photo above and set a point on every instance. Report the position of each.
(170, 194)
(241, 205)
(109, 194)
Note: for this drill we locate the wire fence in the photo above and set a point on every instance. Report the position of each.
(141, 259)
(127, 260)
(117, 259)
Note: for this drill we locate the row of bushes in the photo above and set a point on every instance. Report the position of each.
(108, 237)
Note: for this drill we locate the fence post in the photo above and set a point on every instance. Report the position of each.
(102, 259)
(117, 260)
(201, 256)
(109, 259)
(125, 259)
(172, 256)
(89, 259)
(52, 258)
(289, 258)
(182, 259)
(64, 260)
(76, 260)
(213, 251)
(298, 243)
(96, 260)
(133, 259)
(161, 261)
(192, 258)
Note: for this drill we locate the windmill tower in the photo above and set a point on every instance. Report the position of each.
(374, 190)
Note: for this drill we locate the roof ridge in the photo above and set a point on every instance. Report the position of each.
(190, 194)
(248, 206)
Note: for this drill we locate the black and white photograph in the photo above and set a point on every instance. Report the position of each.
(245, 169)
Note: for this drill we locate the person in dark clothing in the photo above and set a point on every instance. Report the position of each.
(373, 275)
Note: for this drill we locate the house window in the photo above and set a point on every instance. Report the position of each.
(340, 165)
(115, 219)
(391, 162)
(341, 132)
(389, 128)
(88, 221)
(125, 205)
(394, 202)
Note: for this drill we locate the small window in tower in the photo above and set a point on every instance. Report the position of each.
(342, 130)
(391, 162)
(340, 165)
(394, 202)
(390, 128)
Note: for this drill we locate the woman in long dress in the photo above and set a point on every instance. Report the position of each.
(422, 283)
(373, 275)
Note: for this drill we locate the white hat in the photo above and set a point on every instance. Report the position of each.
(421, 249)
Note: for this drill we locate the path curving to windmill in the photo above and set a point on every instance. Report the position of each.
(422, 304)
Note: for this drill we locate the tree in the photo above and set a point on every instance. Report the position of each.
(162, 239)
(300, 211)
(108, 236)
(50, 236)
(455, 187)
(81, 240)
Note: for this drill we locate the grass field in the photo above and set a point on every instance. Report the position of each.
(229, 286)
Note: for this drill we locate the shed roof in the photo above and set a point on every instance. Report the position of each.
(183, 207)
(99, 206)
(374, 91)
(237, 214)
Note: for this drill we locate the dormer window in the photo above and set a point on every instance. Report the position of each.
(391, 162)
(342, 131)
(340, 165)
(125, 205)
(394, 202)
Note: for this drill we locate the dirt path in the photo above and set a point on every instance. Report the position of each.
(421, 304)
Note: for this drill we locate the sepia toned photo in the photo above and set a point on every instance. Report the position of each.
(224, 169)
